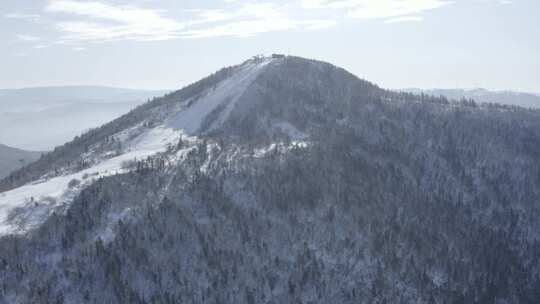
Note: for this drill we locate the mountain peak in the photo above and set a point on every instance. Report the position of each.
(262, 95)
(289, 179)
(265, 99)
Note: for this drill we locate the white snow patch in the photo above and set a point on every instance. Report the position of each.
(299, 144)
(226, 94)
(55, 191)
(279, 147)
(260, 152)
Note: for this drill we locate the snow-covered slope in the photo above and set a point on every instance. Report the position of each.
(236, 101)
(222, 98)
(163, 126)
(281, 180)
(27, 206)
(268, 97)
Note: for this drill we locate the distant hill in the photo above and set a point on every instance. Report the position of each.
(12, 159)
(42, 118)
(527, 100)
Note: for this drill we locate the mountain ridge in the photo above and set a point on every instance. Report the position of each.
(296, 182)
(175, 101)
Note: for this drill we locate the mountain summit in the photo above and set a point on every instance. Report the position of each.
(281, 180)
(259, 99)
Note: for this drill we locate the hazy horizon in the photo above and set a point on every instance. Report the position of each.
(79, 86)
(172, 89)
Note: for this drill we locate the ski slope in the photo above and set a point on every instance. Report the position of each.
(223, 98)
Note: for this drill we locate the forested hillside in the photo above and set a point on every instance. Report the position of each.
(282, 180)
(511, 98)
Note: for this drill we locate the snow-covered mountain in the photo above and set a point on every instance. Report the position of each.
(149, 130)
(281, 180)
(526, 100)
(12, 159)
(44, 117)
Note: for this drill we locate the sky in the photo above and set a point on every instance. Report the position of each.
(167, 44)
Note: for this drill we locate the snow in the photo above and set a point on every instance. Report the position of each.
(55, 192)
(261, 152)
(290, 130)
(28, 206)
(280, 147)
(226, 94)
(107, 235)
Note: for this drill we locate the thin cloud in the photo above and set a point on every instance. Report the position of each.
(32, 17)
(497, 2)
(376, 9)
(250, 19)
(243, 21)
(27, 38)
(212, 15)
(404, 19)
(100, 22)
(313, 25)
(129, 23)
(241, 28)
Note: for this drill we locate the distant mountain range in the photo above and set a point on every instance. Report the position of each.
(527, 100)
(12, 159)
(42, 118)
